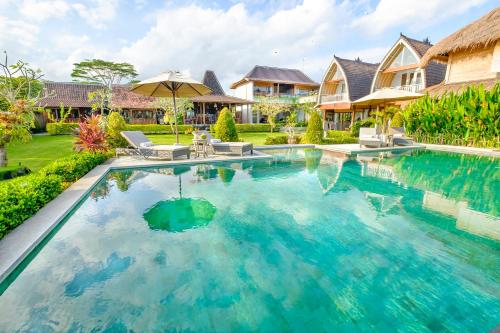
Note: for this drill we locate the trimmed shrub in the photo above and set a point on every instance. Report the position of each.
(75, 166)
(397, 120)
(225, 128)
(279, 140)
(156, 128)
(339, 137)
(249, 128)
(115, 125)
(61, 128)
(368, 122)
(22, 197)
(314, 131)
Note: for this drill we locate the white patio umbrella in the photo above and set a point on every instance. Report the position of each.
(171, 84)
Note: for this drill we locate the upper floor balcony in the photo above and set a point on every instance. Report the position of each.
(332, 98)
(408, 87)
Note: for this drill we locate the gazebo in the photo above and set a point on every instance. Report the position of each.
(207, 107)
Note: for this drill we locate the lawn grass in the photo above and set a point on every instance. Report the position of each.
(43, 149)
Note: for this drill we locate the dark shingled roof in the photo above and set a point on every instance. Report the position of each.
(278, 75)
(73, 94)
(359, 76)
(211, 81)
(419, 46)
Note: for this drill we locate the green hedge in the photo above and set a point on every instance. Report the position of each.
(22, 197)
(157, 129)
(339, 137)
(61, 128)
(249, 128)
(68, 128)
(279, 140)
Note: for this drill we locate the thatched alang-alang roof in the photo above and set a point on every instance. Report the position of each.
(481, 33)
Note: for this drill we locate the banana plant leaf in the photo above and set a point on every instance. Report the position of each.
(180, 214)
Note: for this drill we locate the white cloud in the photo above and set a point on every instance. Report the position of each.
(232, 41)
(39, 10)
(411, 14)
(21, 35)
(372, 54)
(98, 13)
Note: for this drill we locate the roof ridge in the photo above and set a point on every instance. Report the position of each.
(356, 61)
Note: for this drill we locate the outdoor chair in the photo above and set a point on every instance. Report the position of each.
(219, 147)
(141, 146)
(369, 137)
(399, 138)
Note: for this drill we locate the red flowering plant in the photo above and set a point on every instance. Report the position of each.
(91, 135)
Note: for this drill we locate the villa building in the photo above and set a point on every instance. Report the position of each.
(471, 54)
(400, 68)
(282, 84)
(344, 82)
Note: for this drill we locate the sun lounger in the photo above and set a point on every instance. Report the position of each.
(220, 147)
(399, 138)
(145, 148)
(369, 137)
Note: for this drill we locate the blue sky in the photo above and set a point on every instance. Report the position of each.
(227, 36)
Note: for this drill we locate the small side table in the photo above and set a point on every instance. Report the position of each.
(200, 147)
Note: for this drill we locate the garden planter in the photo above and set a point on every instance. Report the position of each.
(292, 140)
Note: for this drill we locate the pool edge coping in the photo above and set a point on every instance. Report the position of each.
(17, 245)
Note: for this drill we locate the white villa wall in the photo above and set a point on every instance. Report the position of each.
(245, 91)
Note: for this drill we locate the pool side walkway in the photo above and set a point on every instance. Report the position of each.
(19, 243)
(354, 148)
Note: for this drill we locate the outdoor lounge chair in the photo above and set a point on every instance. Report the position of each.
(220, 147)
(399, 138)
(145, 148)
(368, 137)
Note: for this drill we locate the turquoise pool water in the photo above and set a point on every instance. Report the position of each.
(305, 242)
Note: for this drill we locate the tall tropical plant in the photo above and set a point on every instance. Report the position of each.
(91, 135)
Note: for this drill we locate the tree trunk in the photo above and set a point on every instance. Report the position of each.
(3, 157)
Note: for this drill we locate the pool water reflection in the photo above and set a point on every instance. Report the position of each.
(308, 241)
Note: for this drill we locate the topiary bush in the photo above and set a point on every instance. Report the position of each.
(314, 131)
(114, 126)
(397, 120)
(368, 122)
(61, 128)
(280, 140)
(225, 128)
(339, 137)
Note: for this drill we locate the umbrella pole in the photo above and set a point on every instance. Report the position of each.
(175, 116)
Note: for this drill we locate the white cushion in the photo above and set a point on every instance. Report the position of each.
(146, 144)
(215, 141)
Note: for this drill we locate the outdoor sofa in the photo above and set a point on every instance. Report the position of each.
(141, 146)
(399, 138)
(369, 137)
(220, 147)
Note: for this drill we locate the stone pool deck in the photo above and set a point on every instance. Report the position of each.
(354, 148)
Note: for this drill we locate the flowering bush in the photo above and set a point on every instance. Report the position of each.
(91, 135)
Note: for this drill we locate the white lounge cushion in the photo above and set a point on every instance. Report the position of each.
(146, 144)
(169, 147)
(215, 141)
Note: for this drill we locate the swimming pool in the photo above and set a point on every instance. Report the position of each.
(307, 241)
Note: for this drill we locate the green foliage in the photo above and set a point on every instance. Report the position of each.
(61, 128)
(225, 128)
(270, 107)
(314, 132)
(102, 72)
(114, 126)
(63, 114)
(13, 172)
(339, 137)
(156, 128)
(397, 120)
(73, 167)
(21, 88)
(280, 140)
(244, 128)
(368, 122)
(385, 115)
(470, 118)
(22, 197)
